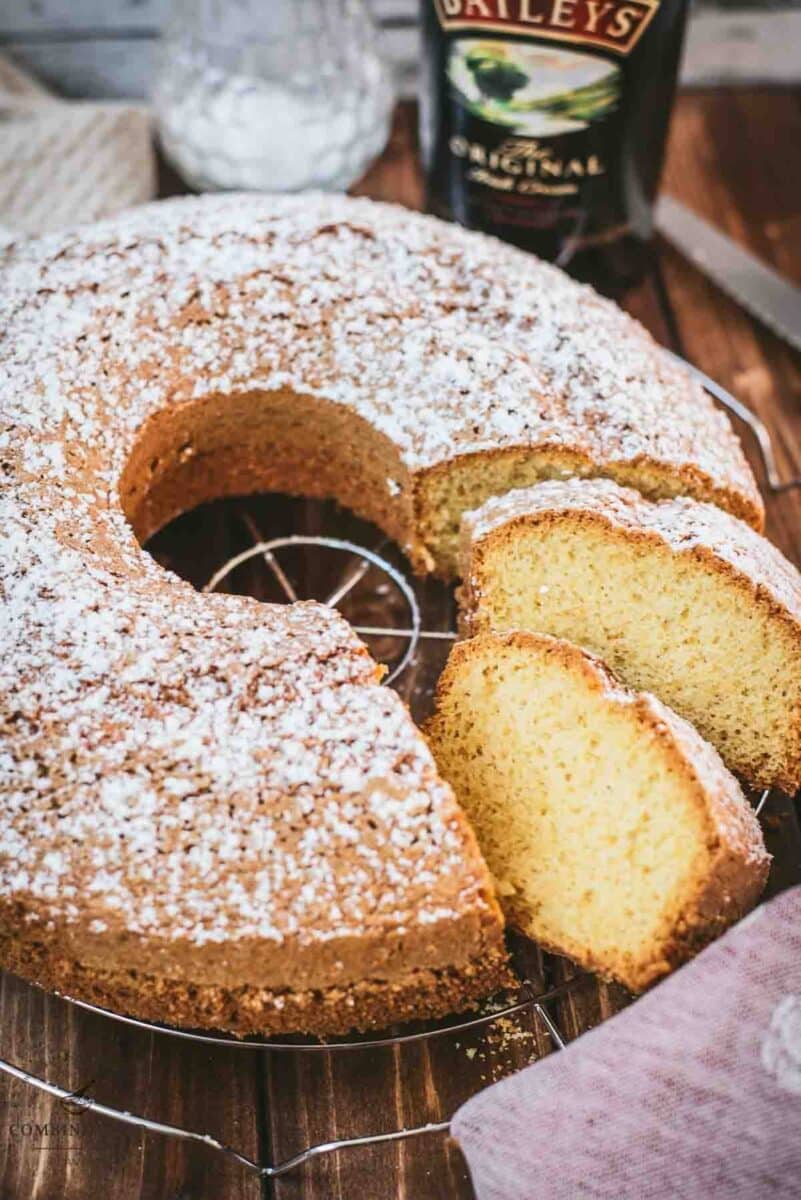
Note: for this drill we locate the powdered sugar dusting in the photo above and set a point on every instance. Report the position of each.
(683, 524)
(203, 767)
(448, 342)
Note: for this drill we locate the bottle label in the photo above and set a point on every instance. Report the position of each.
(615, 25)
(537, 120)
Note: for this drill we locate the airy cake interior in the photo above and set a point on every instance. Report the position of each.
(586, 816)
(663, 622)
(444, 494)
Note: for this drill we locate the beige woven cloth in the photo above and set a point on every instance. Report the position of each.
(66, 162)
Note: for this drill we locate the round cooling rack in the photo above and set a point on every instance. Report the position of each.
(532, 1001)
(416, 1032)
(409, 634)
(764, 442)
(362, 569)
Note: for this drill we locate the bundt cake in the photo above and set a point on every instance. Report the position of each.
(615, 834)
(339, 347)
(676, 596)
(211, 813)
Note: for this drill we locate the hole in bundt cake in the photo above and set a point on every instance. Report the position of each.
(258, 442)
(199, 543)
(184, 486)
(284, 441)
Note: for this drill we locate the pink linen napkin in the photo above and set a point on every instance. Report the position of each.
(694, 1092)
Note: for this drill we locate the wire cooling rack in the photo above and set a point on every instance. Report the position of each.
(537, 1003)
(359, 561)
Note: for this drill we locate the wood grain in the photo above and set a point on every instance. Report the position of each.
(725, 161)
(52, 1149)
(728, 159)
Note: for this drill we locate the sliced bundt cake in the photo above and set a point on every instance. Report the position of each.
(615, 833)
(212, 814)
(676, 596)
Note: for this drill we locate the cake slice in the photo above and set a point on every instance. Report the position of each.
(615, 833)
(678, 597)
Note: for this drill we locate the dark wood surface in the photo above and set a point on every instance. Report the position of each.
(731, 159)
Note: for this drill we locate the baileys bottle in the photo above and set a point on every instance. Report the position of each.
(544, 122)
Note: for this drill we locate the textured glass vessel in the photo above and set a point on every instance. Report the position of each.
(274, 95)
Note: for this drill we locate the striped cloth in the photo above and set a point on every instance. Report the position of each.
(64, 163)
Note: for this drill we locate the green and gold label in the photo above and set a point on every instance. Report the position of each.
(615, 25)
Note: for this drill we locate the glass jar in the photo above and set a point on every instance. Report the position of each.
(271, 95)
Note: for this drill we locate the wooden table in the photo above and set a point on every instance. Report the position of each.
(731, 159)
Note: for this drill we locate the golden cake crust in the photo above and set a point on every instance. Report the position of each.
(238, 1005)
(224, 797)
